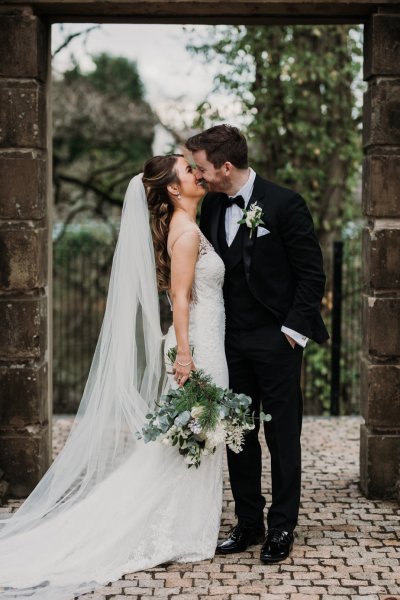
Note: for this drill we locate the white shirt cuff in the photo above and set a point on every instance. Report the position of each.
(298, 337)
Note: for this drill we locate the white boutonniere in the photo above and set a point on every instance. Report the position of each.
(252, 217)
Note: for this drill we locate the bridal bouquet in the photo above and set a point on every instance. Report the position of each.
(199, 416)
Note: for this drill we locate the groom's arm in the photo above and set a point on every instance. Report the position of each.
(305, 258)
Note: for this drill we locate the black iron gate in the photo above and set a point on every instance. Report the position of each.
(82, 264)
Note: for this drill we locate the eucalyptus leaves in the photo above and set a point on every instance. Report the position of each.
(199, 416)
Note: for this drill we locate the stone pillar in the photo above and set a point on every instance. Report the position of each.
(25, 424)
(380, 364)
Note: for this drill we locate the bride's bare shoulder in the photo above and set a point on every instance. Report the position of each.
(183, 232)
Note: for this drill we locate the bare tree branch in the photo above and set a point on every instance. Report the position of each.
(69, 218)
(90, 187)
(72, 36)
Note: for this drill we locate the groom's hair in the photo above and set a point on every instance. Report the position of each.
(222, 143)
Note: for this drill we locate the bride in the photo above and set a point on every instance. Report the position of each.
(110, 504)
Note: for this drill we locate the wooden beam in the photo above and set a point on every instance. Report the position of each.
(206, 11)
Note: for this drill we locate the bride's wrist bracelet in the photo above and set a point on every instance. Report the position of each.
(184, 364)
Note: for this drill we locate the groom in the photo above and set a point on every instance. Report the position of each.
(274, 283)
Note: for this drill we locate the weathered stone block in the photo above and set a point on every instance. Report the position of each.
(381, 258)
(382, 113)
(381, 326)
(22, 114)
(22, 188)
(380, 395)
(23, 327)
(23, 46)
(23, 395)
(23, 259)
(25, 457)
(381, 185)
(379, 463)
(381, 45)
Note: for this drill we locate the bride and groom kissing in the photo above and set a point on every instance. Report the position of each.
(245, 289)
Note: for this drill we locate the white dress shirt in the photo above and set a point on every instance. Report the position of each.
(233, 214)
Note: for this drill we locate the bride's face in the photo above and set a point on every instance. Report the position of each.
(188, 185)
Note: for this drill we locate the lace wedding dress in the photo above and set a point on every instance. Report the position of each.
(151, 509)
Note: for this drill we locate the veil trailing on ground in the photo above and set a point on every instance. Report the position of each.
(123, 383)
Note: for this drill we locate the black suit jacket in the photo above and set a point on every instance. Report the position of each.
(284, 268)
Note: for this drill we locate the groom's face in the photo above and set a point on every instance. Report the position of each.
(216, 179)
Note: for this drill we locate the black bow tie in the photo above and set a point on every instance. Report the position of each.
(239, 200)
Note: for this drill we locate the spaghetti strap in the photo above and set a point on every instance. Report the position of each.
(192, 229)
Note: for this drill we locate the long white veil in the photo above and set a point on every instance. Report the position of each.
(122, 386)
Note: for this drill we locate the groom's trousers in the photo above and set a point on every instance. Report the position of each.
(263, 365)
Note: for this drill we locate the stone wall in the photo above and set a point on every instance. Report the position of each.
(24, 379)
(380, 365)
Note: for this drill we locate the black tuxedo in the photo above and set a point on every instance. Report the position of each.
(273, 280)
(283, 269)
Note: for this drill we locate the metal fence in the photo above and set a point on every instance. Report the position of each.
(82, 264)
(350, 347)
(331, 371)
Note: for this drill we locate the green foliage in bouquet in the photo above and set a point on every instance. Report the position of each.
(200, 391)
(199, 416)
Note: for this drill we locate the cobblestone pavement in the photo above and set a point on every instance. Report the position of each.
(346, 547)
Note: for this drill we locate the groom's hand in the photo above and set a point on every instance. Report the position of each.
(290, 340)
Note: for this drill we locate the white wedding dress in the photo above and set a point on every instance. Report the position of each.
(150, 509)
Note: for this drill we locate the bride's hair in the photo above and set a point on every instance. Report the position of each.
(158, 172)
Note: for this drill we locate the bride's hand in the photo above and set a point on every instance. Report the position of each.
(182, 371)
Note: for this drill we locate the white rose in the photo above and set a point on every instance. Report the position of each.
(197, 411)
(249, 218)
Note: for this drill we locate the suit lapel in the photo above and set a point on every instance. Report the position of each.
(248, 242)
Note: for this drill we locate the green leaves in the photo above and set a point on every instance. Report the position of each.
(182, 419)
(198, 416)
(265, 418)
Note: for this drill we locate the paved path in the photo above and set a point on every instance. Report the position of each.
(346, 547)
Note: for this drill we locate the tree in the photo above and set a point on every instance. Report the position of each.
(113, 76)
(103, 132)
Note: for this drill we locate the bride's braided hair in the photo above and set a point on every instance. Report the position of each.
(158, 172)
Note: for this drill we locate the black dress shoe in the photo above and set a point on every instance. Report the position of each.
(240, 538)
(277, 546)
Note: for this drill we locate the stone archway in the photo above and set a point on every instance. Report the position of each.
(25, 243)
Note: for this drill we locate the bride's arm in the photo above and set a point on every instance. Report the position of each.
(183, 261)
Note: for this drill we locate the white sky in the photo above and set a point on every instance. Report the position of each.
(175, 81)
(164, 64)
